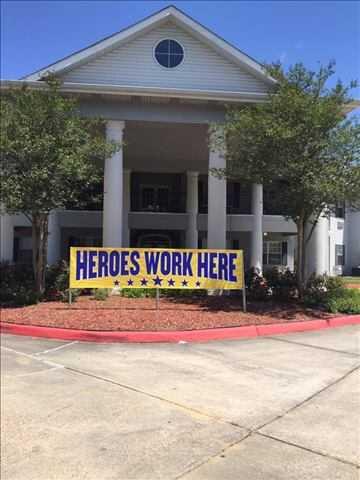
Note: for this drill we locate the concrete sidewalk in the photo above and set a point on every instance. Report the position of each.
(274, 408)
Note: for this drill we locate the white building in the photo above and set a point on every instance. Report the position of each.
(159, 84)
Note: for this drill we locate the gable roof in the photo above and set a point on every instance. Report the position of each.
(169, 13)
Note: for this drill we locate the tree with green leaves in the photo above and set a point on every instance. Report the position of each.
(299, 144)
(49, 154)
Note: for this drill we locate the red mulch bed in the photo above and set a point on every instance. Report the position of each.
(117, 313)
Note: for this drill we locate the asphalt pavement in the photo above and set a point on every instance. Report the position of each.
(272, 408)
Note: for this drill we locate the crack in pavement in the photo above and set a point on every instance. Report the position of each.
(156, 397)
(54, 349)
(208, 459)
(327, 349)
(309, 398)
(316, 452)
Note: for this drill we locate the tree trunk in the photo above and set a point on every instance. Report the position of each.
(40, 242)
(301, 256)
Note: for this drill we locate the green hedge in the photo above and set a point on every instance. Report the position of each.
(16, 285)
(347, 302)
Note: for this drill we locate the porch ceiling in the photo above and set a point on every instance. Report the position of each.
(165, 147)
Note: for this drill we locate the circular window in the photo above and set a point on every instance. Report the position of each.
(169, 53)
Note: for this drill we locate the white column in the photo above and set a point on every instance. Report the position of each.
(53, 252)
(291, 242)
(6, 238)
(216, 234)
(192, 209)
(257, 229)
(126, 207)
(113, 189)
(317, 250)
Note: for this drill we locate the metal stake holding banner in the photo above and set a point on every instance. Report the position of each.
(243, 291)
(70, 297)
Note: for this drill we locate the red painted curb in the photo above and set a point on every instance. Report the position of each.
(250, 331)
(278, 328)
(342, 321)
(130, 337)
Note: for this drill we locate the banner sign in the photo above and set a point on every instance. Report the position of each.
(155, 268)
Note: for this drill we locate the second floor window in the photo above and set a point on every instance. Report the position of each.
(155, 198)
(340, 210)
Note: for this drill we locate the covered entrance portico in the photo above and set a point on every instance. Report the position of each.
(154, 180)
(160, 182)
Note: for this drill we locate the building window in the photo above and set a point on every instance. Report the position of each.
(154, 198)
(339, 255)
(236, 244)
(22, 245)
(275, 253)
(238, 201)
(85, 241)
(169, 53)
(203, 196)
(340, 210)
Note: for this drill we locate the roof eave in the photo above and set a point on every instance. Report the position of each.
(126, 90)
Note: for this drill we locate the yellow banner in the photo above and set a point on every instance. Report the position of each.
(155, 268)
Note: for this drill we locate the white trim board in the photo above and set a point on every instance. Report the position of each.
(124, 90)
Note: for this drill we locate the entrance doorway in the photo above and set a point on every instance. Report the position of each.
(157, 238)
(153, 240)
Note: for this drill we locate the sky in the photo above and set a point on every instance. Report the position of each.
(37, 33)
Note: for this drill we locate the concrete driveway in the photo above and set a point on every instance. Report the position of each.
(285, 407)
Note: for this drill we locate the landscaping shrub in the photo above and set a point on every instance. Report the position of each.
(57, 283)
(183, 292)
(347, 302)
(256, 285)
(319, 289)
(138, 292)
(17, 285)
(282, 284)
(101, 294)
(164, 292)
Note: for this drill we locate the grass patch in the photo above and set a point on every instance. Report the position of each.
(352, 280)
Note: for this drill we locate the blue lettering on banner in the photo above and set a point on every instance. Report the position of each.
(187, 270)
(114, 263)
(203, 268)
(103, 270)
(124, 263)
(151, 261)
(232, 267)
(176, 264)
(81, 265)
(134, 258)
(212, 265)
(217, 266)
(92, 264)
(165, 264)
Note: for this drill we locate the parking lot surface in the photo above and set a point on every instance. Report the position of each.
(271, 408)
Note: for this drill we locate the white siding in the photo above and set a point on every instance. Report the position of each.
(352, 240)
(133, 64)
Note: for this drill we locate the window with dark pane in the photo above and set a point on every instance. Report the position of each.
(339, 255)
(169, 53)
